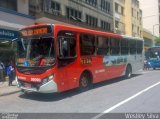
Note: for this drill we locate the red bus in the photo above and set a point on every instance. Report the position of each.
(55, 58)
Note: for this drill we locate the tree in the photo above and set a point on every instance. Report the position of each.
(157, 41)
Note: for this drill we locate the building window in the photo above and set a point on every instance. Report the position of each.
(9, 4)
(55, 7)
(105, 25)
(116, 7)
(91, 21)
(122, 10)
(119, 9)
(116, 24)
(105, 6)
(134, 13)
(73, 14)
(91, 2)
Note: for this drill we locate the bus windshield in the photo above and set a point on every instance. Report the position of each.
(35, 52)
(153, 53)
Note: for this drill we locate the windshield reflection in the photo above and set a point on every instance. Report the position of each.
(35, 52)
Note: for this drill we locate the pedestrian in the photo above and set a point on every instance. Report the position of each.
(146, 65)
(2, 68)
(10, 73)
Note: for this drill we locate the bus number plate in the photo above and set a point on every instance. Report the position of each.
(27, 85)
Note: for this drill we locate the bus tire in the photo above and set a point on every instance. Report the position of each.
(128, 72)
(85, 82)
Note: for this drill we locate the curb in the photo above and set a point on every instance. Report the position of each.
(10, 93)
(4, 85)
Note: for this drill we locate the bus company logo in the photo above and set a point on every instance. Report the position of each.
(21, 78)
(100, 71)
(36, 79)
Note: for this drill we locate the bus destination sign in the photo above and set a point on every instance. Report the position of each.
(35, 31)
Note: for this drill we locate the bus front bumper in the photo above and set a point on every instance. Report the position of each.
(49, 87)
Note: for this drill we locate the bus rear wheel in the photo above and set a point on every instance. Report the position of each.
(85, 82)
(128, 72)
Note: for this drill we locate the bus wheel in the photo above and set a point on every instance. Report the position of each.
(85, 82)
(128, 73)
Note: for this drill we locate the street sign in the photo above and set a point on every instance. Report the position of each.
(8, 34)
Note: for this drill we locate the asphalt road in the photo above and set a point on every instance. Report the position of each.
(138, 94)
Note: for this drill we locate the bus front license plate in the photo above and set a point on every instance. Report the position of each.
(27, 85)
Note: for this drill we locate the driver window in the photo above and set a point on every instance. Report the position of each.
(67, 44)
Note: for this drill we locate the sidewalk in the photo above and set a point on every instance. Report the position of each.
(8, 90)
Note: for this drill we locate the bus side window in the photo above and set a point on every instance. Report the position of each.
(87, 44)
(132, 46)
(67, 44)
(139, 46)
(103, 46)
(124, 47)
(115, 46)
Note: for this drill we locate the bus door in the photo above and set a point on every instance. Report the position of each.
(140, 55)
(133, 54)
(66, 59)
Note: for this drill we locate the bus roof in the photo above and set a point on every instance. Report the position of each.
(84, 30)
(77, 29)
(130, 37)
(89, 31)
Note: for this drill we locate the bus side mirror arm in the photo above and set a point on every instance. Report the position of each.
(14, 40)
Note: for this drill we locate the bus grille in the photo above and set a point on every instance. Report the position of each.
(32, 85)
(30, 70)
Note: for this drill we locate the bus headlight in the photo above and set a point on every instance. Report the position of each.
(47, 79)
(51, 77)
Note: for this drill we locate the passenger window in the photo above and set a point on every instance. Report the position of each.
(132, 46)
(67, 44)
(103, 46)
(115, 46)
(87, 44)
(139, 46)
(124, 47)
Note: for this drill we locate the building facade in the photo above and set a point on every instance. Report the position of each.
(133, 18)
(119, 16)
(14, 14)
(94, 14)
(149, 39)
(151, 15)
(128, 18)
